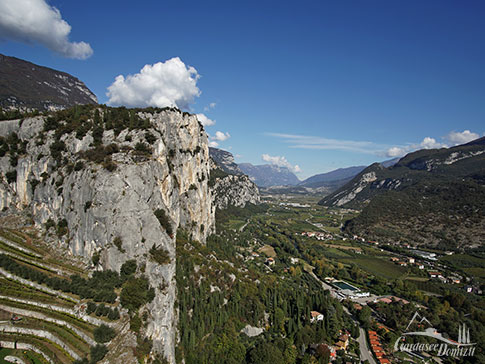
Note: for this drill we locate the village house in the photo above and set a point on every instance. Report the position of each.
(343, 342)
(318, 235)
(316, 316)
(434, 274)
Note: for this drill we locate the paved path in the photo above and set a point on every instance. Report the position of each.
(242, 227)
(365, 353)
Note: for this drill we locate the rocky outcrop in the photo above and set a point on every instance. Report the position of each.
(363, 182)
(60, 181)
(235, 190)
(111, 184)
(229, 186)
(225, 160)
(252, 331)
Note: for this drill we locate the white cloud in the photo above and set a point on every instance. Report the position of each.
(426, 143)
(169, 83)
(280, 161)
(463, 137)
(220, 136)
(395, 152)
(315, 142)
(35, 21)
(204, 120)
(382, 150)
(431, 143)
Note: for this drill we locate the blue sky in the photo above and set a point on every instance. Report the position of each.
(314, 84)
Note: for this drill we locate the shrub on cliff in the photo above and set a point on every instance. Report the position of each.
(164, 221)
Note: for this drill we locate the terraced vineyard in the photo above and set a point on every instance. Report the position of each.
(42, 323)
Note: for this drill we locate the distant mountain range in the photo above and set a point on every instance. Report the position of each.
(267, 175)
(331, 179)
(434, 197)
(28, 86)
(262, 175)
(277, 179)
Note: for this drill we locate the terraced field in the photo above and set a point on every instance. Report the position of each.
(39, 323)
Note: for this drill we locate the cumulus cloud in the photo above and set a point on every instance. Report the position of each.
(204, 120)
(451, 139)
(220, 136)
(395, 152)
(426, 143)
(431, 143)
(280, 161)
(169, 83)
(463, 137)
(35, 21)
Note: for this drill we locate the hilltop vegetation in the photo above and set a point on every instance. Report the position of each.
(430, 197)
(444, 215)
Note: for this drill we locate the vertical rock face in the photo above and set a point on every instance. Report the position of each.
(229, 185)
(224, 160)
(235, 190)
(100, 204)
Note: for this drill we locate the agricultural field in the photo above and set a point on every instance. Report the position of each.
(377, 266)
(47, 313)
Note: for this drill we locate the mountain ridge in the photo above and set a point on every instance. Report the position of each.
(25, 85)
(266, 175)
(430, 197)
(329, 179)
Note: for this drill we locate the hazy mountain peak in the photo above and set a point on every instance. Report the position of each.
(266, 175)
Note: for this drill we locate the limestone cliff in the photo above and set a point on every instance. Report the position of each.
(228, 184)
(96, 174)
(235, 190)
